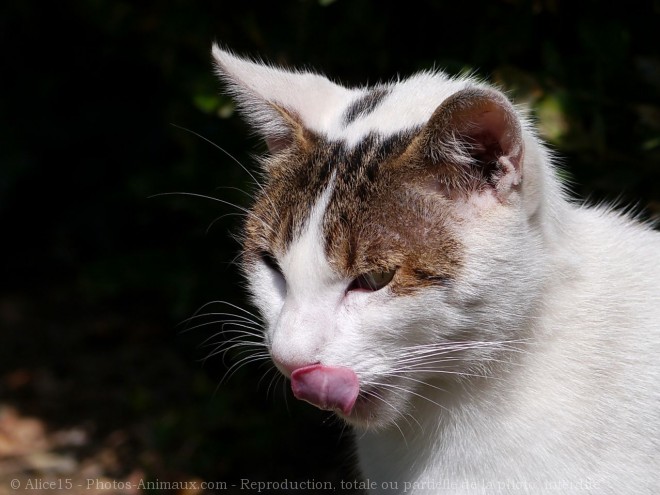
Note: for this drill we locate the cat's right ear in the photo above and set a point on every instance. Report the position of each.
(282, 105)
(475, 136)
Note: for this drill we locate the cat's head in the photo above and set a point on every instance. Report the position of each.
(393, 247)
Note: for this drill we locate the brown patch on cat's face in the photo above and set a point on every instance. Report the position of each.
(381, 216)
(295, 179)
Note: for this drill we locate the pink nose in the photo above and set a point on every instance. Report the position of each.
(326, 387)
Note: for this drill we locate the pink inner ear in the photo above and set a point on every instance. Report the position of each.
(492, 134)
(475, 136)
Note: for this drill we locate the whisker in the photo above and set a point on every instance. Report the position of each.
(285, 394)
(437, 350)
(237, 345)
(222, 201)
(377, 396)
(247, 171)
(201, 315)
(225, 347)
(273, 380)
(242, 362)
(422, 382)
(255, 331)
(216, 220)
(219, 301)
(412, 392)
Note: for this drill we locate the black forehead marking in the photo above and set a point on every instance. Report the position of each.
(365, 158)
(355, 170)
(364, 105)
(302, 187)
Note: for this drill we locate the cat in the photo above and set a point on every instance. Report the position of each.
(422, 273)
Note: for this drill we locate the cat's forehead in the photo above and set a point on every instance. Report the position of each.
(347, 146)
(363, 203)
(351, 178)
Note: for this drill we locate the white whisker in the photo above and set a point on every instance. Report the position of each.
(222, 201)
(215, 145)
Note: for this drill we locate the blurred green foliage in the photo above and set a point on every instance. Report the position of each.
(96, 273)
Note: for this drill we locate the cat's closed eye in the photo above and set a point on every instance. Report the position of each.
(371, 281)
(271, 262)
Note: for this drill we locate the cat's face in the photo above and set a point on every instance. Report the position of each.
(389, 249)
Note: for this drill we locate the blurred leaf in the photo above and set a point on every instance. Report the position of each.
(206, 103)
(552, 122)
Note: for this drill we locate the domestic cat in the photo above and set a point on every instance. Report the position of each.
(422, 273)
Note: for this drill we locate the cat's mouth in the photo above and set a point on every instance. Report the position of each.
(330, 388)
(336, 389)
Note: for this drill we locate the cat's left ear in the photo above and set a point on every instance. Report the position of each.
(476, 135)
(282, 105)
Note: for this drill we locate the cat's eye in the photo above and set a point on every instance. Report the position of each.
(372, 281)
(270, 261)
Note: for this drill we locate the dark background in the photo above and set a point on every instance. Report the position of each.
(98, 377)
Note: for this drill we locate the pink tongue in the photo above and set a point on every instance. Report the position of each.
(326, 387)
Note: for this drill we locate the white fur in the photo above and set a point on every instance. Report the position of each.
(409, 104)
(300, 332)
(321, 104)
(535, 372)
(261, 85)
